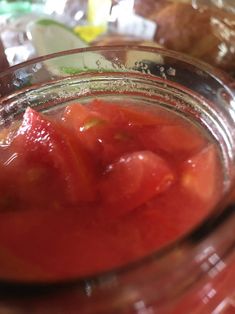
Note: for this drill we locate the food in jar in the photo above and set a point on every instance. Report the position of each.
(90, 187)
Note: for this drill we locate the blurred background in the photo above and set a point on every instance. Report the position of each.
(204, 29)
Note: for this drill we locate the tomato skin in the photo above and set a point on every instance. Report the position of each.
(52, 161)
(134, 179)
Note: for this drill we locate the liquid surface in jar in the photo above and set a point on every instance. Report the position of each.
(93, 187)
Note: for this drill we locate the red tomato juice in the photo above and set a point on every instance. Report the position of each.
(94, 187)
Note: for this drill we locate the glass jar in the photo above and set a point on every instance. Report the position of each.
(196, 273)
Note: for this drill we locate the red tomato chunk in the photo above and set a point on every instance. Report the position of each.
(98, 186)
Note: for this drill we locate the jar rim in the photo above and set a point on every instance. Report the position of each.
(221, 76)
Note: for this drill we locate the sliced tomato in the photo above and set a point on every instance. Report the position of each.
(81, 117)
(102, 137)
(156, 130)
(173, 139)
(200, 174)
(90, 127)
(128, 114)
(134, 179)
(51, 164)
(123, 141)
(180, 137)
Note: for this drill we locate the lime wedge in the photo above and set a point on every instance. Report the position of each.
(49, 36)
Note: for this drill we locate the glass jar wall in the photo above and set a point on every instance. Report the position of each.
(193, 274)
